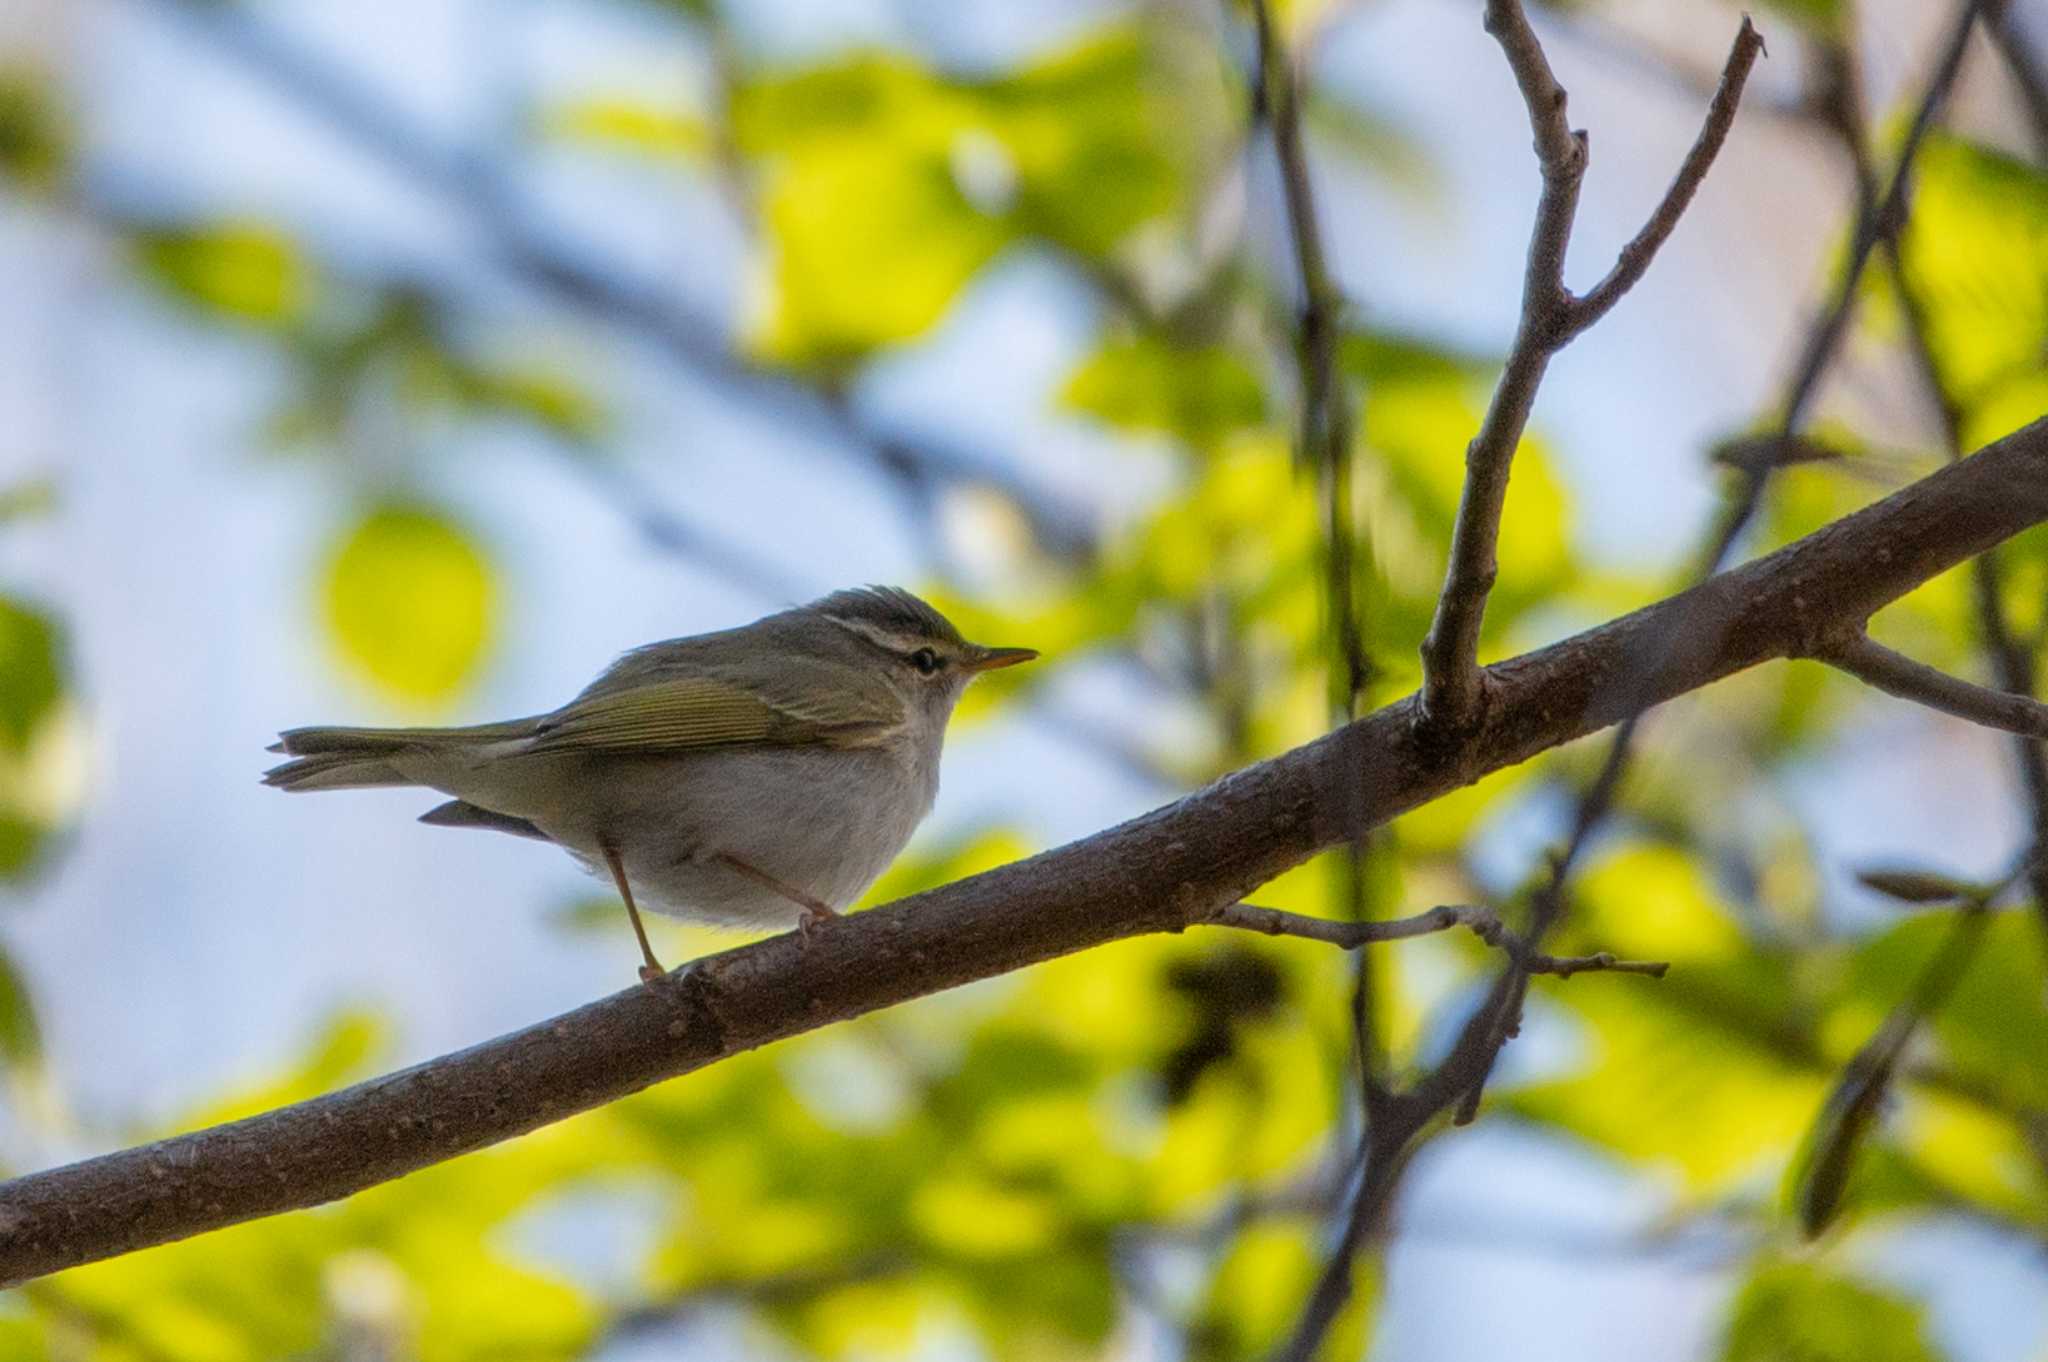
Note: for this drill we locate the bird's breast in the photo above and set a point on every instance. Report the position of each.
(827, 822)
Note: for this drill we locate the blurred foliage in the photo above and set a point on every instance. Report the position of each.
(253, 273)
(1791, 1310)
(35, 143)
(886, 187)
(1151, 1137)
(411, 601)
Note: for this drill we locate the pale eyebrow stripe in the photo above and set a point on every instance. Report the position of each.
(888, 640)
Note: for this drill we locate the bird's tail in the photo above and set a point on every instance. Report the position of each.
(361, 758)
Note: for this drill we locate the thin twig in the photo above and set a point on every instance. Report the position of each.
(1324, 437)
(1483, 922)
(1550, 318)
(1450, 651)
(1892, 672)
(1874, 226)
(1390, 1144)
(1324, 445)
(1636, 256)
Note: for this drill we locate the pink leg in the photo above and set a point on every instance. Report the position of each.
(815, 910)
(651, 970)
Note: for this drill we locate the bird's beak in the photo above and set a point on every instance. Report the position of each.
(988, 659)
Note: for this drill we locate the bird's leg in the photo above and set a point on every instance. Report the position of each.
(652, 970)
(816, 911)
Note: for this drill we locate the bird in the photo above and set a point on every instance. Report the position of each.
(758, 777)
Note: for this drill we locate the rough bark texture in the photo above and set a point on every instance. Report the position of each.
(1162, 872)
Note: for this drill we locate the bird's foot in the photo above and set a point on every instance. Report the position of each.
(815, 915)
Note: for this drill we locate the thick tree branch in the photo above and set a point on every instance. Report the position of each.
(1551, 317)
(1163, 872)
(1892, 672)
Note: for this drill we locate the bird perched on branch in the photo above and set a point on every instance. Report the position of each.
(754, 777)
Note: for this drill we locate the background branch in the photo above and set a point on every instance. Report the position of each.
(1165, 871)
(571, 274)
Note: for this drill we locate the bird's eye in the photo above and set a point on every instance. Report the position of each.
(925, 660)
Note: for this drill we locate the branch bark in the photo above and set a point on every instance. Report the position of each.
(1163, 872)
(1484, 923)
(1551, 317)
(1892, 672)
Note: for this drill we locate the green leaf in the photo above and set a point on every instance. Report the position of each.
(624, 125)
(1801, 1312)
(888, 187)
(31, 674)
(869, 234)
(21, 839)
(1098, 149)
(1369, 139)
(243, 271)
(21, 1040)
(1993, 1021)
(410, 601)
(1821, 16)
(1917, 886)
(1976, 253)
(871, 245)
(1148, 385)
(28, 499)
(35, 142)
(546, 398)
(1820, 1172)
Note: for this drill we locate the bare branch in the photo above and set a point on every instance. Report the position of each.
(1782, 446)
(1892, 672)
(1325, 432)
(1483, 923)
(1450, 651)
(1881, 219)
(1550, 318)
(1250, 917)
(1636, 256)
(1461, 1077)
(1163, 872)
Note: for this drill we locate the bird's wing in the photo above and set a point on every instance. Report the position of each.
(680, 714)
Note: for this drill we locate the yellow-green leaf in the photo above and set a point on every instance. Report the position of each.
(246, 271)
(34, 141)
(30, 671)
(410, 601)
(626, 125)
(1796, 1310)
